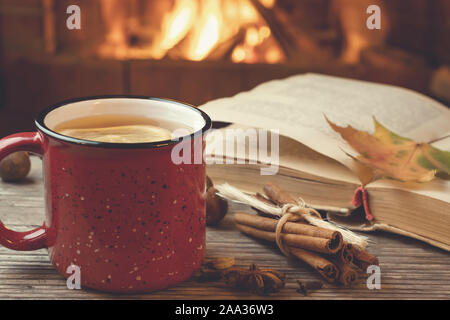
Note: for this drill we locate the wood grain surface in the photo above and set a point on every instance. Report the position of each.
(409, 269)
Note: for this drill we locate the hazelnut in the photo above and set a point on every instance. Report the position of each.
(216, 207)
(15, 167)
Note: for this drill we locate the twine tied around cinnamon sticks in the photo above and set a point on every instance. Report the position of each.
(291, 212)
(292, 209)
(318, 243)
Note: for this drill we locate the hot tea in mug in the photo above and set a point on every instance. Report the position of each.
(117, 206)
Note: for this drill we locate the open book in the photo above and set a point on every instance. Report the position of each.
(312, 161)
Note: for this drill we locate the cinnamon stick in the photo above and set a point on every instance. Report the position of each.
(279, 196)
(326, 268)
(345, 254)
(262, 198)
(316, 244)
(362, 259)
(347, 275)
(270, 224)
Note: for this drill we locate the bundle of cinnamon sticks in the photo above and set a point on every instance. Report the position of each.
(322, 249)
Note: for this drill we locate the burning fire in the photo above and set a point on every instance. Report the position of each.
(196, 30)
(206, 32)
(177, 23)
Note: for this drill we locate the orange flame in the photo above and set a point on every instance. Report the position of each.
(177, 23)
(206, 32)
(193, 29)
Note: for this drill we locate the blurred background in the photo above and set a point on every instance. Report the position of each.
(199, 50)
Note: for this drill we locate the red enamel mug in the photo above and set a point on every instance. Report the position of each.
(126, 214)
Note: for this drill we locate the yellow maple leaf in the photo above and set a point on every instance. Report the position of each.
(393, 156)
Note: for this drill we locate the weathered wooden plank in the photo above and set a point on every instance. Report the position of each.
(410, 269)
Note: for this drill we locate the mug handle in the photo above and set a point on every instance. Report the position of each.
(33, 239)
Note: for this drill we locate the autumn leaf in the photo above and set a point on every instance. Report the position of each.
(393, 156)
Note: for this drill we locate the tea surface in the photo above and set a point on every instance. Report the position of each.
(118, 129)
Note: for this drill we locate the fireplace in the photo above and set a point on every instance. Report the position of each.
(223, 30)
(198, 50)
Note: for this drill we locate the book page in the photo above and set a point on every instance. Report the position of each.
(443, 144)
(297, 106)
(292, 155)
(437, 188)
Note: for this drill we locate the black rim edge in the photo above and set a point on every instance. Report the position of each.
(39, 122)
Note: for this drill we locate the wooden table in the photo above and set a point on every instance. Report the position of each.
(410, 269)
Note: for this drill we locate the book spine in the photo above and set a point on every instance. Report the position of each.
(361, 197)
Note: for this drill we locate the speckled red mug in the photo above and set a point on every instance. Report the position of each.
(126, 214)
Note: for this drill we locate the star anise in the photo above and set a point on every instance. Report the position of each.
(254, 279)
